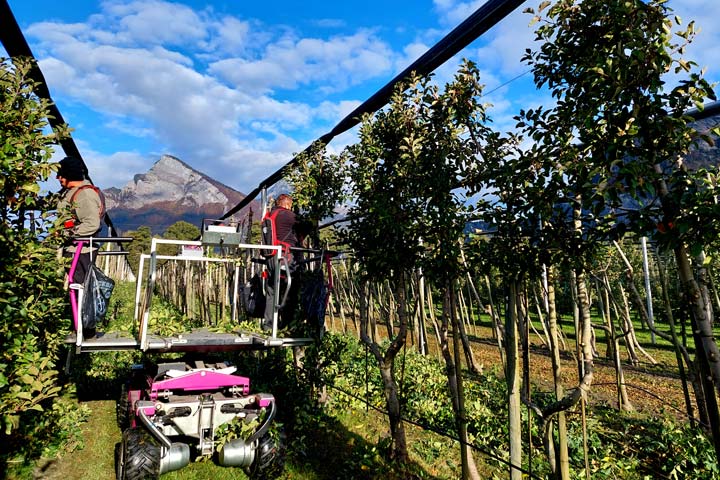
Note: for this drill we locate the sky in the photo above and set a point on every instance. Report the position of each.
(235, 88)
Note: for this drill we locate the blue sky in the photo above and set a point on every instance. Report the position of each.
(235, 88)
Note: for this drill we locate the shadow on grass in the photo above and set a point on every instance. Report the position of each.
(328, 451)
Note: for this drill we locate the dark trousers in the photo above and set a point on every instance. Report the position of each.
(287, 312)
(83, 265)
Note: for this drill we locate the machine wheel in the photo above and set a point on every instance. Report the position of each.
(269, 457)
(140, 456)
(122, 409)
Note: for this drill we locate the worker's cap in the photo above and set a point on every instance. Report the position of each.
(71, 169)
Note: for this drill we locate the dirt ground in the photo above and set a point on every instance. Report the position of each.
(651, 389)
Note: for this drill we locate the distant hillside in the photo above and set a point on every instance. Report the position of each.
(705, 155)
(169, 192)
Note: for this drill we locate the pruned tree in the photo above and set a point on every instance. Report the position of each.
(384, 232)
(457, 137)
(626, 130)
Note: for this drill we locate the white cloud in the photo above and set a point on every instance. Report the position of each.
(333, 64)
(411, 53)
(333, 111)
(120, 65)
(151, 22)
(231, 35)
(505, 45)
(107, 170)
(200, 85)
(453, 12)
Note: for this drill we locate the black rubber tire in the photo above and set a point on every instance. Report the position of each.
(122, 409)
(141, 455)
(269, 458)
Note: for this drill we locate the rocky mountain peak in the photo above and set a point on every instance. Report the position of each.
(169, 180)
(170, 191)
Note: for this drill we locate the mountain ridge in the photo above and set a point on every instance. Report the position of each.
(169, 192)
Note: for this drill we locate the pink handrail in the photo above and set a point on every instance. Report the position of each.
(71, 274)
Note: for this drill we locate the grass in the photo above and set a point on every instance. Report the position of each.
(661, 350)
(342, 447)
(95, 459)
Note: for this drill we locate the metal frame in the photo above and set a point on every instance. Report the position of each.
(201, 340)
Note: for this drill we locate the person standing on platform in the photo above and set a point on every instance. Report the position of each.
(279, 229)
(81, 208)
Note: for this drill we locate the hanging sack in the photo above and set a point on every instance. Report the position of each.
(314, 298)
(253, 297)
(98, 288)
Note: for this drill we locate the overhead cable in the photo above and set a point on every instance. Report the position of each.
(484, 18)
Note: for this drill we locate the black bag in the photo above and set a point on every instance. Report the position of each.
(314, 297)
(253, 297)
(98, 288)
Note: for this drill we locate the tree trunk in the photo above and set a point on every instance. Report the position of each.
(603, 305)
(681, 355)
(622, 396)
(431, 309)
(422, 331)
(560, 458)
(701, 317)
(524, 330)
(386, 364)
(467, 348)
(497, 325)
(586, 353)
(544, 338)
(630, 336)
(627, 327)
(512, 378)
(469, 468)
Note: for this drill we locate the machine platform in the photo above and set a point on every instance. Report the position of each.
(202, 340)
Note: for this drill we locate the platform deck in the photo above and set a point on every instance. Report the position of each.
(199, 340)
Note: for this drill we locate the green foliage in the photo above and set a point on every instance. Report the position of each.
(32, 301)
(424, 393)
(622, 445)
(166, 320)
(140, 244)
(54, 434)
(25, 148)
(617, 130)
(237, 428)
(412, 171)
(383, 169)
(61, 431)
(182, 231)
(317, 180)
(121, 308)
(629, 445)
